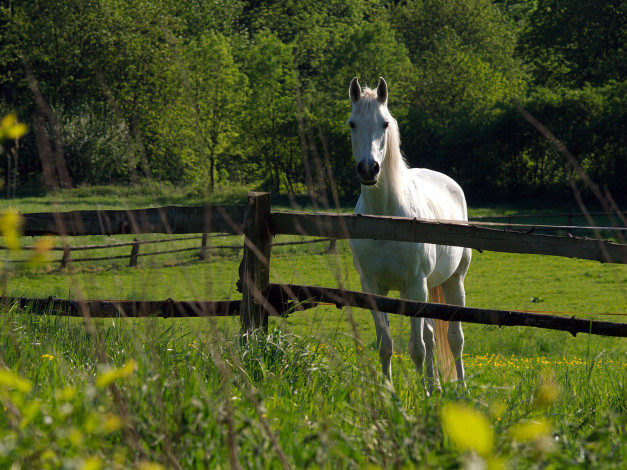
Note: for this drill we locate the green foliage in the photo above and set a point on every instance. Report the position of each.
(97, 146)
(478, 26)
(370, 50)
(590, 50)
(214, 93)
(271, 134)
(218, 93)
(588, 121)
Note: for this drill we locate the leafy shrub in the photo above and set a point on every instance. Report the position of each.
(98, 146)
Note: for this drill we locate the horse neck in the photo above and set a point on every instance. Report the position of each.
(387, 196)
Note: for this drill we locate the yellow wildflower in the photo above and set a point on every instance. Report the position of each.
(467, 429)
(9, 379)
(66, 394)
(547, 392)
(149, 466)
(43, 247)
(111, 423)
(530, 431)
(10, 226)
(110, 375)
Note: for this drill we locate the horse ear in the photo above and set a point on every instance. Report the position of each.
(354, 90)
(382, 91)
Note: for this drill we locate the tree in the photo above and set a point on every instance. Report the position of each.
(108, 55)
(271, 112)
(479, 27)
(576, 42)
(462, 53)
(218, 94)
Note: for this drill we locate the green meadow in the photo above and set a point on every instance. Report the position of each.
(186, 393)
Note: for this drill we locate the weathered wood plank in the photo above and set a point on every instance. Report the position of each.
(456, 234)
(286, 297)
(170, 219)
(311, 295)
(125, 308)
(255, 271)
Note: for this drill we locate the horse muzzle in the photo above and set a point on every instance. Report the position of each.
(368, 173)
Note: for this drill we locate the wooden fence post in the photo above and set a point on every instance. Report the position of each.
(256, 264)
(203, 247)
(66, 257)
(134, 252)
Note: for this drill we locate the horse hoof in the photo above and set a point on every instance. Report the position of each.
(431, 391)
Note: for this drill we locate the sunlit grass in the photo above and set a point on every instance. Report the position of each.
(178, 395)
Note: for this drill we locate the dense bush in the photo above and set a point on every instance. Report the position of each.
(98, 146)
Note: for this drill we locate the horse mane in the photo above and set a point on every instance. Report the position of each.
(394, 167)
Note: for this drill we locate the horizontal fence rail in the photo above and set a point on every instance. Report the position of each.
(203, 250)
(104, 246)
(456, 234)
(287, 298)
(170, 219)
(569, 215)
(126, 308)
(302, 297)
(229, 219)
(529, 228)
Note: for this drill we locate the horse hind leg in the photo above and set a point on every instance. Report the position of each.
(445, 361)
(455, 294)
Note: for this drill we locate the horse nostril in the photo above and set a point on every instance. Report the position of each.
(375, 168)
(360, 167)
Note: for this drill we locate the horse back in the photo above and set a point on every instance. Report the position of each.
(434, 195)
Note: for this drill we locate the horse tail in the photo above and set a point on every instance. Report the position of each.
(444, 356)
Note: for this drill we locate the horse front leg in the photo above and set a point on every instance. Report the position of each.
(422, 339)
(433, 377)
(384, 341)
(382, 327)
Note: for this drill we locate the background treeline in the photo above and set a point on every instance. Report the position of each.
(214, 92)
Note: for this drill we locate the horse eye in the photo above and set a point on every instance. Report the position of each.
(352, 124)
(385, 125)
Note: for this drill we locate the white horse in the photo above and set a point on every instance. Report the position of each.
(390, 188)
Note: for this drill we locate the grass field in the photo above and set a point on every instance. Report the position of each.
(161, 393)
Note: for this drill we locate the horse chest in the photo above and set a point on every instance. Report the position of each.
(392, 264)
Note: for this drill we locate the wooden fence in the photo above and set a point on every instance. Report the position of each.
(258, 223)
(203, 250)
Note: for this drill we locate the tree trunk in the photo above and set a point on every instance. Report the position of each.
(212, 165)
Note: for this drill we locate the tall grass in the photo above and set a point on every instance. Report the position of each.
(122, 394)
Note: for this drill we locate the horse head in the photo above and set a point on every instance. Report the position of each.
(369, 123)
